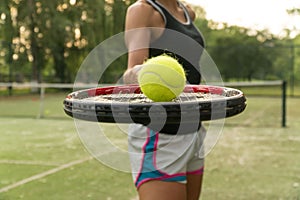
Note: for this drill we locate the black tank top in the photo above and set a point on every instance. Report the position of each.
(184, 42)
(180, 40)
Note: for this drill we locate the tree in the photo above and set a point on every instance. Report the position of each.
(239, 55)
(8, 32)
(48, 40)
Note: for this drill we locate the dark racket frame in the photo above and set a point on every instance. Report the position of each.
(127, 104)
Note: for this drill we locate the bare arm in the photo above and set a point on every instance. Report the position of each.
(137, 38)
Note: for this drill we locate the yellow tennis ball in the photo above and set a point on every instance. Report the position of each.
(162, 78)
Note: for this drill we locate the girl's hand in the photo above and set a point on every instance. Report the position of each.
(131, 75)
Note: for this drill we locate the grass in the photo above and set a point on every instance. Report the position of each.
(254, 159)
(89, 180)
(269, 91)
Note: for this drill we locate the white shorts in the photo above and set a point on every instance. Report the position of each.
(164, 157)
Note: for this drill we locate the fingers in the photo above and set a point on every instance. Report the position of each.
(131, 75)
(137, 68)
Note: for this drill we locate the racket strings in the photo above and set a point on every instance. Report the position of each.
(129, 96)
(195, 103)
(141, 98)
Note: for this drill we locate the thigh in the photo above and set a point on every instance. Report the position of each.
(195, 169)
(193, 186)
(160, 190)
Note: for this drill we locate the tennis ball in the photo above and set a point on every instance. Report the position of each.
(162, 78)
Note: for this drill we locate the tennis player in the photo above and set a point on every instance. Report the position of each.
(164, 166)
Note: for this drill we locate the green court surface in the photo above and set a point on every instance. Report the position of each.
(44, 158)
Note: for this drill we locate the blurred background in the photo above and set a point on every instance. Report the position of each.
(46, 41)
(42, 46)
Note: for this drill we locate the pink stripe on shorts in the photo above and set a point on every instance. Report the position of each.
(157, 156)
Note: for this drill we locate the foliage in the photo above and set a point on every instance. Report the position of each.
(245, 54)
(46, 41)
(54, 37)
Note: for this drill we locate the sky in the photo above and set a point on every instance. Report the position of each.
(256, 14)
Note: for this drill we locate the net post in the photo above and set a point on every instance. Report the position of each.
(42, 97)
(10, 90)
(284, 86)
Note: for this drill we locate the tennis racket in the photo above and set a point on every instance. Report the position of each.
(127, 104)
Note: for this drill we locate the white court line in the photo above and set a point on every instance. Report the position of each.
(26, 162)
(43, 174)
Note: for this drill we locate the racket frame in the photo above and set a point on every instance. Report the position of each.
(232, 103)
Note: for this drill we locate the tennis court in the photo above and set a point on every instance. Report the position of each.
(44, 158)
